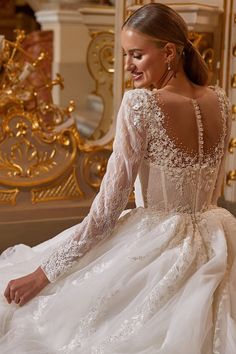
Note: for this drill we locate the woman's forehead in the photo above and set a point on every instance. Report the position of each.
(135, 39)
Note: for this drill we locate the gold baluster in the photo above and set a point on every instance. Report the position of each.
(234, 50)
(233, 111)
(231, 176)
(232, 145)
(233, 81)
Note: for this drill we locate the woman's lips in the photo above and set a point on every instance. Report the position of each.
(137, 76)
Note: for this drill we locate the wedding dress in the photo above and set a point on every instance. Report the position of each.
(160, 278)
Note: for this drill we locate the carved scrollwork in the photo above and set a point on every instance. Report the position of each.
(233, 111)
(31, 150)
(100, 61)
(233, 81)
(232, 145)
(204, 43)
(38, 156)
(95, 164)
(30, 156)
(231, 176)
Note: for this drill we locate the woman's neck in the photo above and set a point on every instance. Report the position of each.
(179, 83)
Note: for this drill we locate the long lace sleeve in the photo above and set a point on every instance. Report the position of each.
(226, 112)
(128, 150)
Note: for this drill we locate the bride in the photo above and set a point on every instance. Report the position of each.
(160, 278)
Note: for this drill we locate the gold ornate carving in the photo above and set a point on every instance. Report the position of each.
(232, 145)
(231, 176)
(204, 43)
(100, 61)
(234, 50)
(30, 149)
(208, 55)
(95, 167)
(233, 81)
(66, 190)
(37, 155)
(233, 111)
(30, 156)
(8, 196)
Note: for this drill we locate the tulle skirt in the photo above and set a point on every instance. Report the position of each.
(160, 284)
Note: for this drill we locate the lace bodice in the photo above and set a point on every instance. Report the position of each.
(171, 175)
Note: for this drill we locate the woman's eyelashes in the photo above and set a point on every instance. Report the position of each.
(134, 56)
(137, 56)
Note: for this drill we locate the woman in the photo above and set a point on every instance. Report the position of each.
(160, 278)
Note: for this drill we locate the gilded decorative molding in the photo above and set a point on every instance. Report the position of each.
(30, 156)
(231, 176)
(31, 150)
(100, 61)
(94, 167)
(232, 145)
(47, 159)
(233, 81)
(234, 50)
(209, 56)
(233, 111)
(8, 196)
(66, 190)
(230, 4)
(204, 42)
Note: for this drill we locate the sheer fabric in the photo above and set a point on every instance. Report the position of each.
(156, 279)
(180, 170)
(128, 151)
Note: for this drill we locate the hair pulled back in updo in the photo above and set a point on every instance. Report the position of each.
(162, 23)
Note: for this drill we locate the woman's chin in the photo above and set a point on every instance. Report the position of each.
(140, 84)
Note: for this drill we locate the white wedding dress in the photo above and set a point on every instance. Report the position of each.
(160, 278)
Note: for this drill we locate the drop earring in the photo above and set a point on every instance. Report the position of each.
(168, 66)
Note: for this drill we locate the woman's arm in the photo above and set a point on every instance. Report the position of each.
(128, 151)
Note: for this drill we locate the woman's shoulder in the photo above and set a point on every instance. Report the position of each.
(138, 92)
(138, 103)
(220, 92)
(217, 89)
(138, 99)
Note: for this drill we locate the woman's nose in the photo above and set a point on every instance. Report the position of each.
(128, 64)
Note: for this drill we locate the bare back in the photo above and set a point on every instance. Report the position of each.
(181, 123)
(186, 142)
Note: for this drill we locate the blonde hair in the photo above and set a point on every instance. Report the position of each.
(165, 25)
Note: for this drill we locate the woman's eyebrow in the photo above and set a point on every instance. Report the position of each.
(133, 50)
(136, 50)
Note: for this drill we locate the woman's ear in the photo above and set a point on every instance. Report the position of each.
(170, 51)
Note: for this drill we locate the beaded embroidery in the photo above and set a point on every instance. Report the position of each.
(141, 131)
